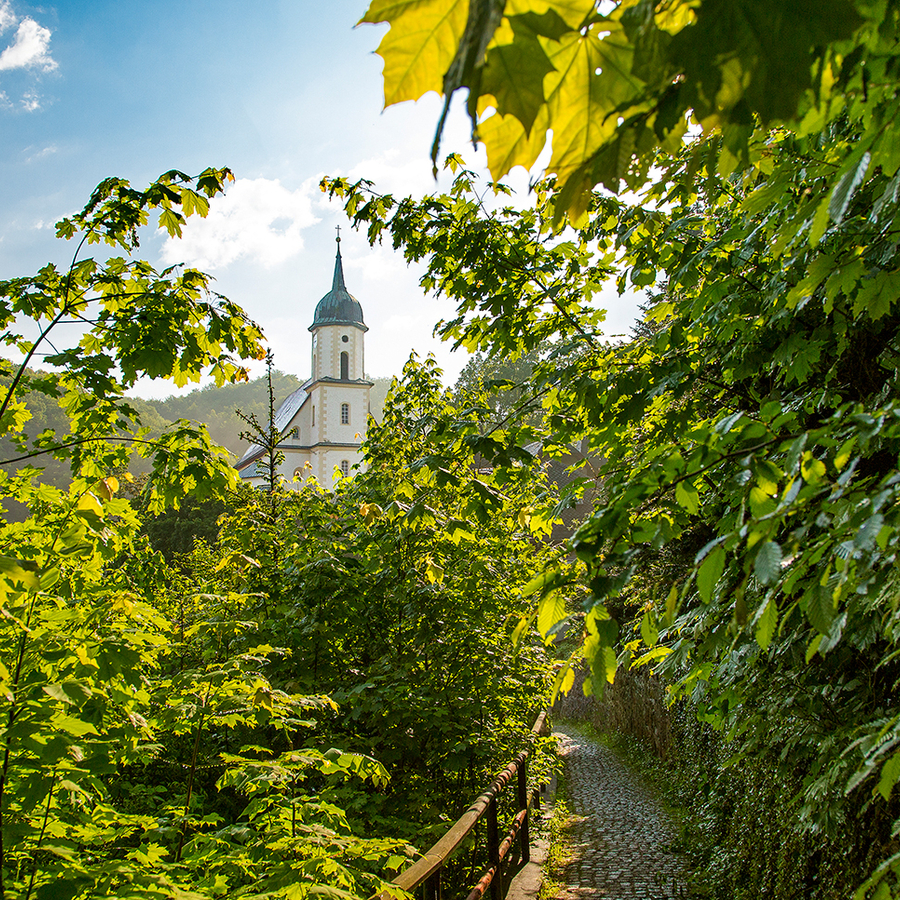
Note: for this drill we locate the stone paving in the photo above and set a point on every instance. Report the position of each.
(619, 836)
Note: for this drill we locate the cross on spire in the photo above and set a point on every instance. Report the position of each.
(337, 228)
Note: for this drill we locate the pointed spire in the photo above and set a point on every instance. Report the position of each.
(338, 281)
(338, 306)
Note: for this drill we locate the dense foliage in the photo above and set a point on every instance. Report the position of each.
(398, 593)
(166, 730)
(746, 541)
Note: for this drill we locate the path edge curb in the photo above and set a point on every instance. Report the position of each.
(526, 884)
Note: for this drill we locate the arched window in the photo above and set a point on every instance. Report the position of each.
(345, 414)
(314, 416)
(345, 467)
(345, 366)
(298, 474)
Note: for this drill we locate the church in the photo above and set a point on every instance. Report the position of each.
(323, 423)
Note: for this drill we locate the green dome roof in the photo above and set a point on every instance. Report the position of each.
(338, 306)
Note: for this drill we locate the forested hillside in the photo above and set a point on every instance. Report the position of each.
(216, 406)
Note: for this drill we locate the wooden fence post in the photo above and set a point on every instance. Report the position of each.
(524, 840)
(432, 886)
(493, 848)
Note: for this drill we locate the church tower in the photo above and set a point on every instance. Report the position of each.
(338, 390)
(323, 423)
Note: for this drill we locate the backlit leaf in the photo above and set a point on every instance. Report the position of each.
(551, 611)
(420, 45)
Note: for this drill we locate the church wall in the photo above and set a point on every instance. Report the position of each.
(302, 421)
(331, 459)
(357, 398)
(320, 465)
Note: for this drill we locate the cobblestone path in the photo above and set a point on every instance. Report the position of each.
(619, 835)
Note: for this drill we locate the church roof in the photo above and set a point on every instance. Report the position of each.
(283, 416)
(338, 306)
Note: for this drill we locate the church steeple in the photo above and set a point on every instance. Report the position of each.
(337, 283)
(338, 306)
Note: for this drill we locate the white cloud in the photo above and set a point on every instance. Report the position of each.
(397, 171)
(43, 153)
(378, 264)
(31, 47)
(257, 219)
(7, 16)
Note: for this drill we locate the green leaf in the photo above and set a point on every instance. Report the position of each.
(607, 630)
(171, 221)
(766, 624)
(876, 295)
(609, 663)
(649, 631)
(73, 692)
(420, 45)
(433, 572)
(520, 629)
(709, 573)
(820, 608)
(687, 496)
(562, 676)
(20, 571)
(672, 603)
(514, 69)
(551, 611)
(548, 580)
(890, 773)
(812, 469)
(761, 504)
(72, 726)
(767, 564)
(865, 538)
(653, 655)
(813, 648)
(844, 190)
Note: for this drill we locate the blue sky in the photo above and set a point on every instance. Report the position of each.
(282, 95)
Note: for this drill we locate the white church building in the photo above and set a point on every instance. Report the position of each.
(323, 423)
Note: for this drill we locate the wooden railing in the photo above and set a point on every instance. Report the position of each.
(427, 870)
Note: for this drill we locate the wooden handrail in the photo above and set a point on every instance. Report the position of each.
(488, 878)
(431, 862)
